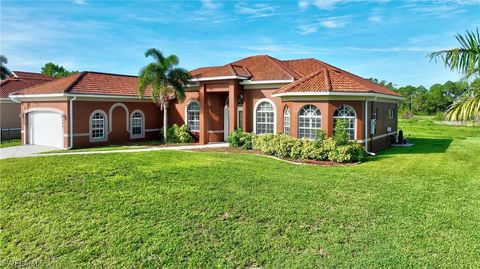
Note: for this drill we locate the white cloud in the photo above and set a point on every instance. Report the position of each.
(375, 19)
(329, 23)
(322, 4)
(258, 10)
(210, 4)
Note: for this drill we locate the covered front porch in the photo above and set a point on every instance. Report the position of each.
(222, 106)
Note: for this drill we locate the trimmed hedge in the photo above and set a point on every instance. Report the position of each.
(285, 146)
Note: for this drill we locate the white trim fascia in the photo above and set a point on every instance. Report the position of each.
(215, 131)
(50, 95)
(153, 130)
(323, 93)
(249, 82)
(217, 78)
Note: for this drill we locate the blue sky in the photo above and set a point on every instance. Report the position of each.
(383, 39)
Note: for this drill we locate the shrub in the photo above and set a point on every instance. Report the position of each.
(341, 134)
(239, 139)
(351, 152)
(284, 146)
(178, 134)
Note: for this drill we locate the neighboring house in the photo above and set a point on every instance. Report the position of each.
(258, 94)
(10, 110)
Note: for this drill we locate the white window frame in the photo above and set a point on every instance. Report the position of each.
(341, 117)
(285, 116)
(310, 121)
(255, 114)
(142, 134)
(186, 115)
(105, 124)
(240, 109)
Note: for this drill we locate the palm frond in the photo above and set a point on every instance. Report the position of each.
(465, 108)
(465, 59)
(156, 54)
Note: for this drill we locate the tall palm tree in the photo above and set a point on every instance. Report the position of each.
(4, 71)
(166, 81)
(466, 60)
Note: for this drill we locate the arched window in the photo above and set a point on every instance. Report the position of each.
(97, 126)
(137, 124)
(346, 113)
(193, 116)
(264, 118)
(286, 121)
(309, 120)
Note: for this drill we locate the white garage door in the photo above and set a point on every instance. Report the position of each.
(45, 128)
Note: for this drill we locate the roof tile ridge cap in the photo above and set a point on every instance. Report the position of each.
(328, 80)
(108, 74)
(275, 61)
(75, 82)
(230, 67)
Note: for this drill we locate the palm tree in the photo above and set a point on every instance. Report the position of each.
(4, 71)
(466, 60)
(166, 81)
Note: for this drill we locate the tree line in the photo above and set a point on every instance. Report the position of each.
(436, 99)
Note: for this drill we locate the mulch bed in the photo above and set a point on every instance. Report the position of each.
(257, 152)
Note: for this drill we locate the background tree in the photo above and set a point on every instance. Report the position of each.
(56, 71)
(166, 81)
(4, 71)
(466, 60)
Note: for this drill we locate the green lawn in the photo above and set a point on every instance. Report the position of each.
(11, 143)
(413, 207)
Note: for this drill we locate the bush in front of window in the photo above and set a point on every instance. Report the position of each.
(179, 134)
(284, 146)
(240, 139)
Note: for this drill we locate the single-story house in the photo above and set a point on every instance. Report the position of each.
(259, 94)
(10, 110)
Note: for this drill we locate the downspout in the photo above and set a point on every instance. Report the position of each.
(24, 120)
(70, 121)
(366, 130)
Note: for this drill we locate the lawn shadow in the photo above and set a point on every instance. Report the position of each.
(421, 146)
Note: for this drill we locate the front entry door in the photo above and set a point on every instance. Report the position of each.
(225, 122)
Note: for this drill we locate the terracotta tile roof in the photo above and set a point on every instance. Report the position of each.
(257, 68)
(90, 83)
(332, 79)
(20, 81)
(199, 71)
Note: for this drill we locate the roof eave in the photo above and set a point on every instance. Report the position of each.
(339, 93)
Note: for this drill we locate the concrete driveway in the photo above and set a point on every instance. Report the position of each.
(23, 151)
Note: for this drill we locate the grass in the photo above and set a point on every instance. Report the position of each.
(10, 143)
(407, 207)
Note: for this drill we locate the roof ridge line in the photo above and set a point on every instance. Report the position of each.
(75, 82)
(328, 80)
(276, 62)
(230, 66)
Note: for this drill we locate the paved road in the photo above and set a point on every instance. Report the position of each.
(32, 150)
(23, 151)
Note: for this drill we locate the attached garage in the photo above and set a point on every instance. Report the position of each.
(45, 128)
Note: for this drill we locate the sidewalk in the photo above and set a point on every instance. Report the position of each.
(189, 147)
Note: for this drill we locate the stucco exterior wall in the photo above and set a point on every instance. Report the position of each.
(118, 121)
(382, 138)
